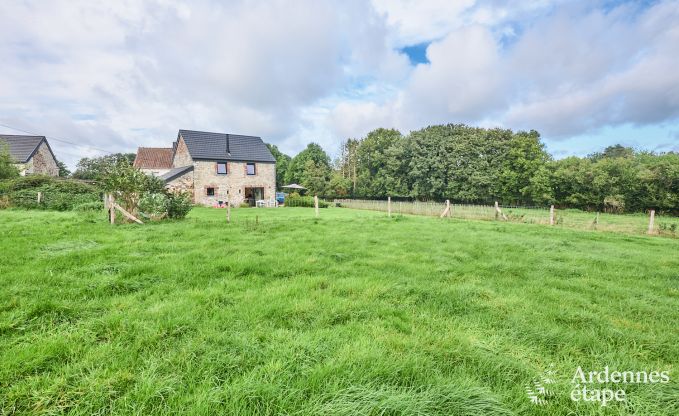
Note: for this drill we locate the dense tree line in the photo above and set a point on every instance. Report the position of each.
(471, 164)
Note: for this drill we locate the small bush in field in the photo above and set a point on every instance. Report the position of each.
(179, 204)
(154, 205)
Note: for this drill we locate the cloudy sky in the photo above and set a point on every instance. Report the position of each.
(114, 75)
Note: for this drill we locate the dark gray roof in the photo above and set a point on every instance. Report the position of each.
(222, 146)
(174, 173)
(22, 148)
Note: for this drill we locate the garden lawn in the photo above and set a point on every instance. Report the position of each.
(351, 313)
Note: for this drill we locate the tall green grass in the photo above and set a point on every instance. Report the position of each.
(351, 313)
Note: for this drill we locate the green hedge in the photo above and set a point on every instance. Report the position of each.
(57, 194)
(304, 201)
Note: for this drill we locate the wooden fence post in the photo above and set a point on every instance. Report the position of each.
(446, 211)
(228, 211)
(650, 222)
(499, 212)
(316, 204)
(115, 206)
(39, 197)
(551, 215)
(389, 206)
(111, 208)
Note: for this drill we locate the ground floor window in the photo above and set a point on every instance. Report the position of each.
(210, 191)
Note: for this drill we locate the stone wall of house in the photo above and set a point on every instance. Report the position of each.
(42, 163)
(231, 186)
(183, 183)
(181, 155)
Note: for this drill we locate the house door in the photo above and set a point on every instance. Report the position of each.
(252, 195)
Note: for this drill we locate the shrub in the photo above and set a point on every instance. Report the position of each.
(154, 205)
(63, 201)
(128, 184)
(57, 194)
(179, 204)
(244, 205)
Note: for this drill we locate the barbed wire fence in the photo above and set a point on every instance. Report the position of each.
(642, 223)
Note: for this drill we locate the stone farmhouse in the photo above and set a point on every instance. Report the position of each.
(156, 161)
(32, 154)
(220, 167)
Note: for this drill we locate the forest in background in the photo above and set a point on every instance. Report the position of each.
(478, 165)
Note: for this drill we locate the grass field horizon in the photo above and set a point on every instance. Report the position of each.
(350, 313)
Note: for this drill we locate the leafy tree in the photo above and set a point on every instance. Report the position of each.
(282, 162)
(95, 168)
(339, 186)
(128, 184)
(316, 177)
(612, 152)
(7, 167)
(63, 169)
(524, 177)
(311, 175)
(457, 162)
(382, 164)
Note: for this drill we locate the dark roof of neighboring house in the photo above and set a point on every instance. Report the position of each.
(154, 158)
(22, 148)
(222, 146)
(176, 172)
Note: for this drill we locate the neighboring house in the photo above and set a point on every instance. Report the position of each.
(219, 167)
(32, 154)
(156, 161)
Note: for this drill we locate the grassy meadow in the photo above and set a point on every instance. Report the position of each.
(353, 313)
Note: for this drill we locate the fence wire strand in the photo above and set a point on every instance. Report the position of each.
(566, 218)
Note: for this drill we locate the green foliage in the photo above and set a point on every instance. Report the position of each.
(97, 167)
(282, 162)
(154, 205)
(63, 169)
(56, 194)
(304, 202)
(470, 164)
(623, 183)
(128, 184)
(311, 169)
(382, 164)
(7, 168)
(339, 186)
(179, 204)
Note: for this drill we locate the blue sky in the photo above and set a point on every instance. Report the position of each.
(117, 75)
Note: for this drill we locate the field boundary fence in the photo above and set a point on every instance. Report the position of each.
(641, 223)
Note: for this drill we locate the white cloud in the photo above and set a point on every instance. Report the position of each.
(121, 74)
